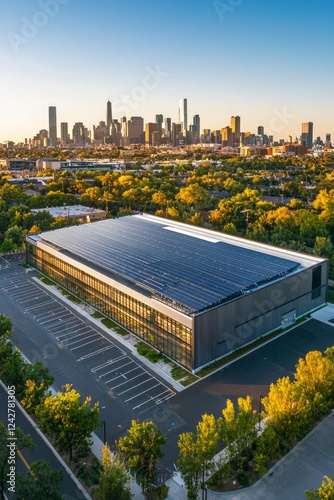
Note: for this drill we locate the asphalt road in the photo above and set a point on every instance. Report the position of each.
(69, 488)
(180, 413)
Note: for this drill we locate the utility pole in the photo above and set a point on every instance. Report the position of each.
(246, 211)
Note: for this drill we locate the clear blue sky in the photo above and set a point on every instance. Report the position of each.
(269, 62)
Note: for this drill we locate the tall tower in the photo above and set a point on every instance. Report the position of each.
(197, 124)
(183, 116)
(307, 134)
(159, 119)
(235, 126)
(109, 116)
(64, 133)
(52, 125)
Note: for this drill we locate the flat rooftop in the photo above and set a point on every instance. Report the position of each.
(187, 267)
(71, 211)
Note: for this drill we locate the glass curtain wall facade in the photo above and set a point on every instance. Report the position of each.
(162, 332)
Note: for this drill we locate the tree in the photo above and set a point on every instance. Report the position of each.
(207, 440)
(323, 247)
(5, 327)
(193, 195)
(315, 378)
(238, 432)
(196, 220)
(70, 422)
(159, 198)
(190, 463)
(197, 452)
(285, 411)
(34, 394)
(325, 492)
(11, 365)
(114, 479)
(141, 450)
(40, 482)
(8, 450)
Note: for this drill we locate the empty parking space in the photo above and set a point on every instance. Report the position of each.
(120, 374)
(125, 377)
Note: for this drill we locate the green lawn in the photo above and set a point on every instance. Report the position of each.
(330, 296)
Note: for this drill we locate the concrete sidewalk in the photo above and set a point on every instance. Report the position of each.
(97, 449)
(325, 314)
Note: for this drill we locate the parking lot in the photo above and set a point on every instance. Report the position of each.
(112, 365)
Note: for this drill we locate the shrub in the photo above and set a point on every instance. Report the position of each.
(243, 478)
(260, 466)
(153, 356)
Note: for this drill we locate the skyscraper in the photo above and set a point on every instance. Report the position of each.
(52, 125)
(307, 134)
(197, 123)
(135, 130)
(168, 126)
(149, 129)
(64, 133)
(235, 126)
(109, 116)
(183, 116)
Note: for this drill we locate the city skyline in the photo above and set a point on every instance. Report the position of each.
(135, 130)
(255, 60)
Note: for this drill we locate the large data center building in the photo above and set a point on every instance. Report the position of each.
(192, 293)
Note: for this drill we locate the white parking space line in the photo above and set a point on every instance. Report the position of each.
(123, 375)
(83, 345)
(141, 393)
(22, 295)
(76, 341)
(19, 288)
(134, 387)
(91, 354)
(76, 330)
(156, 401)
(14, 287)
(29, 299)
(71, 322)
(55, 320)
(108, 363)
(40, 304)
(83, 332)
(58, 327)
(115, 369)
(45, 314)
(126, 382)
(158, 396)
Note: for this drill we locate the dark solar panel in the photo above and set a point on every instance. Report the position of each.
(177, 268)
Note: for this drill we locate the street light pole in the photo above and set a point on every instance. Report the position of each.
(104, 431)
(260, 407)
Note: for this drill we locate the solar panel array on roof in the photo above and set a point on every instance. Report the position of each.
(177, 268)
